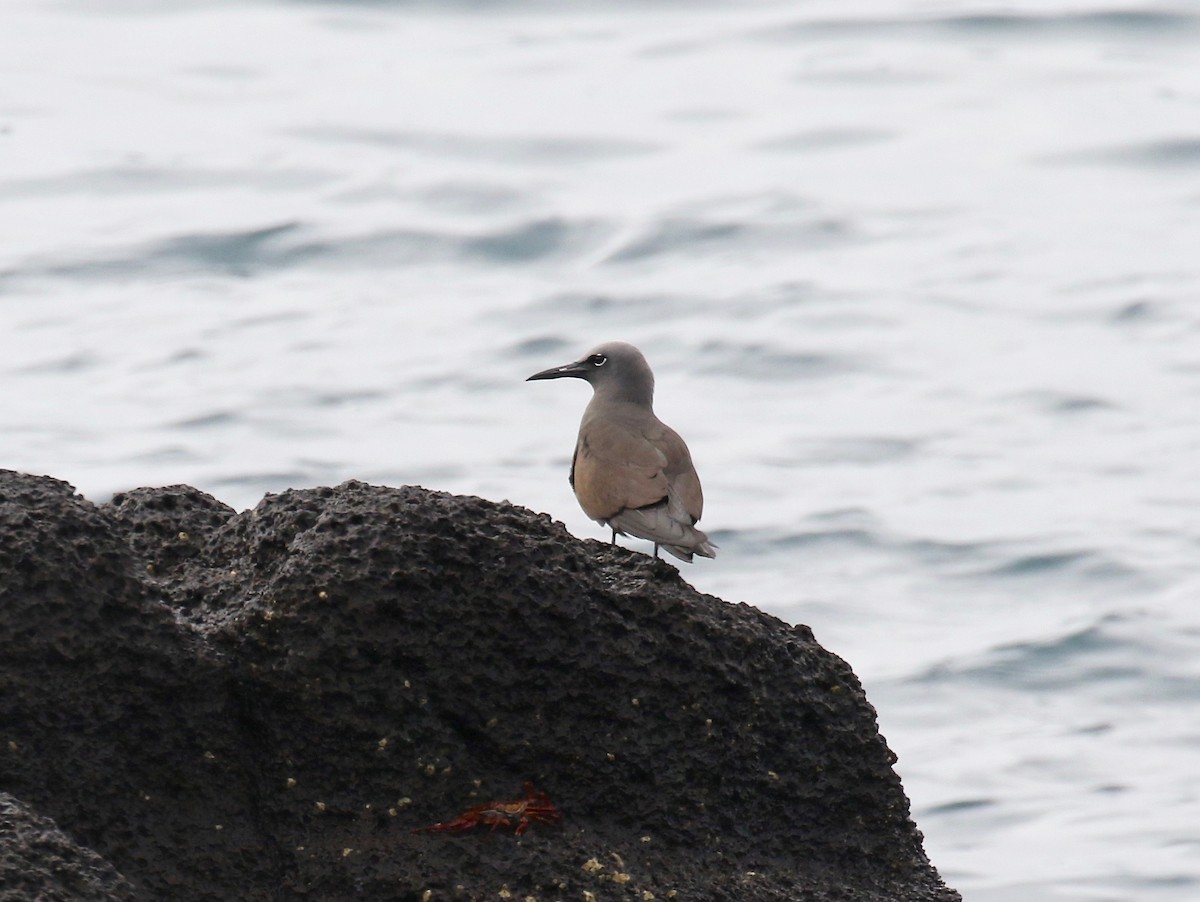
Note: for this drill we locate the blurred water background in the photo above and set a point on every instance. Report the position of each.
(920, 282)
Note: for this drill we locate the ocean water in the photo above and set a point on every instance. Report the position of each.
(920, 282)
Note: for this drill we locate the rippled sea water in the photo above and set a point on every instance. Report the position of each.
(920, 282)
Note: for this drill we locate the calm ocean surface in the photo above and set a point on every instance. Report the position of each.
(920, 282)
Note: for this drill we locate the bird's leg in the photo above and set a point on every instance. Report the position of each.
(656, 549)
(614, 529)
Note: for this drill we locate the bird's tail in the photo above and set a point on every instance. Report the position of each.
(656, 524)
(703, 547)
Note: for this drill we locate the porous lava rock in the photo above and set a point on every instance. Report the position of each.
(38, 862)
(263, 706)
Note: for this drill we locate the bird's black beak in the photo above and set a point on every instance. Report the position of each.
(576, 369)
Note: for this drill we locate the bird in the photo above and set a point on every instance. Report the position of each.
(630, 471)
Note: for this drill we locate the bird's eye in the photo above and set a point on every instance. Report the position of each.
(597, 360)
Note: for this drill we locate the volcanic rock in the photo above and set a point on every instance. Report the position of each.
(264, 705)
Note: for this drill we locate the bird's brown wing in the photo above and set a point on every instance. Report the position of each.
(684, 485)
(617, 466)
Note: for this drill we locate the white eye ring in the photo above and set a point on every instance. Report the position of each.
(599, 360)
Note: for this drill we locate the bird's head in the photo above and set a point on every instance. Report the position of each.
(615, 369)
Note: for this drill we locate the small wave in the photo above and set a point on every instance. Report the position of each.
(534, 151)
(286, 245)
(939, 553)
(1129, 23)
(1137, 312)
(1125, 22)
(1162, 154)
(825, 139)
(1078, 404)
(857, 529)
(763, 362)
(750, 543)
(256, 484)
(608, 310)
(1053, 402)
(69, 363)
(859, 449)
(234, 253)
(1089, 656)
(869, 75)
(1090, 564)
(345, 397)
(470, 197)
(173, 454)
(527, 241)
(543, 346)
(177, 357)
(959, 806)
(218, 418)
(845, 538)
(127, 180)
(700, 236)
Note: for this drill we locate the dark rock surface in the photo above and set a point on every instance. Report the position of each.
(38, 862)
(261, 706)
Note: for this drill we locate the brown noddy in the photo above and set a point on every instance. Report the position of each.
(632, 472)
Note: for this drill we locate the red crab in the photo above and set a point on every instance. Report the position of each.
(517, 816)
